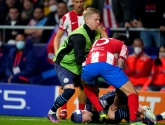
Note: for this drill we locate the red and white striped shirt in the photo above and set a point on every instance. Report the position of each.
(70, 21)
(107, 50)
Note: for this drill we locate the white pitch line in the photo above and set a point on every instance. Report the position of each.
(12, 119)
(15, 119)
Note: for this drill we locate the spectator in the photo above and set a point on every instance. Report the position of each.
(22, 62)
(53, 19)
(50, 6)
(115, 13)
(138, 65)
(27, 11)
(9, 4)
(156, 81)
(14, 20)
(149, 14)
(37, 20)
(3, 58)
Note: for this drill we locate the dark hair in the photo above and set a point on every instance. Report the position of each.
(15, 8)
(31, 1)
(61, 1)
(23, 34)
(72, 117)
(121, 37)
(139, 39)
(157, 60)
(40, 6)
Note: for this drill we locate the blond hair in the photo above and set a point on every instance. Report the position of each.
(89, 11)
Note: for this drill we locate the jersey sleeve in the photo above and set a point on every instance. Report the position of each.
(124, 52)
(63, 23)
(79, 44)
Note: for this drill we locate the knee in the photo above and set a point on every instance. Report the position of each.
(128, 88)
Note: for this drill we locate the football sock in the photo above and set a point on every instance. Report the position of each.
(91, 94)
(64, 106)
(88, 105)
(81, 106)
(122, 113)
(62, 99)
(133, 106)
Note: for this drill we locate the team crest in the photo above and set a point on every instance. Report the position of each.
(66, 80)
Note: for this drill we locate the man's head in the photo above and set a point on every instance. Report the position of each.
(61, 8)
(10, 3)
(92, 17)
(78, 5)
(120, 36)
(13, 13)
(38, 12)
(20, 41)
(81, 116)
(27, 4)
(52, 5)
(138, 46)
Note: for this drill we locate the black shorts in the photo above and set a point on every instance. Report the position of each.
(67, 77)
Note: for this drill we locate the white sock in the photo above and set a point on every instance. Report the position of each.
(51, 112)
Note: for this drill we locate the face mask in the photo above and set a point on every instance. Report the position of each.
(20, 45)
(137, 50)
(0, 43)
(53, 8)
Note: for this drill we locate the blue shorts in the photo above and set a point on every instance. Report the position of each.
(67, 77)
(113, 75)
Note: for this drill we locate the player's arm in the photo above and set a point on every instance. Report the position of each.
(57, 39)
(62, 28)
(79, 44)
(123, 56)
(102, 32)
(121, 63)
(114, 106)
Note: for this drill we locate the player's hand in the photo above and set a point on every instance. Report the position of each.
(114, 107)
(103, 116)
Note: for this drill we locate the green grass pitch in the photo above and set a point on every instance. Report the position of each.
(17, 120)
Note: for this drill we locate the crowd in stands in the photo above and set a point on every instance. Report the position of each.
(144, 72)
